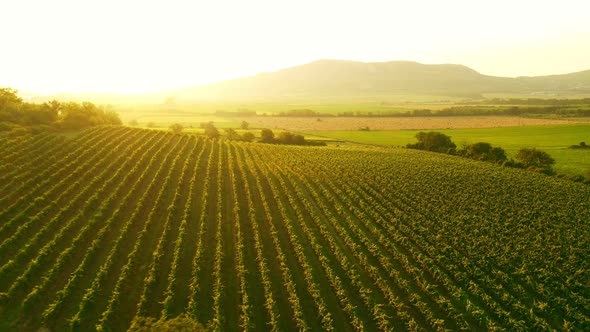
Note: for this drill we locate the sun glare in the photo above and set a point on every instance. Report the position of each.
(139, 46)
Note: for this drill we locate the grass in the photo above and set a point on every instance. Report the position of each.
(553, 139)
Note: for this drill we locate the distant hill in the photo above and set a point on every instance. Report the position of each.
(574, 83)
(340, 77)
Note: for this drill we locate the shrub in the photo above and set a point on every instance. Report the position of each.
(535, 158)
(484, 151)
(211, 131)
(267, 136)
(176, 128)
(248, 137)
(433, 141)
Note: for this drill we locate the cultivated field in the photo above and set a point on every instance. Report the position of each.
(352, 123)
(554, 139)
(398, 123)
(119, 223)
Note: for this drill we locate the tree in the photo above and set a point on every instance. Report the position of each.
(247, 137)
(204, 125)
(231, 134)
(133, 123)
(74, 115)
(176, 128)
(244, 125)
(9, 99)
(498, 154)
(433, 141)
(69, 115)
(484, 151)
(267, 136)
(290, 138)
(151, 124)
(535, 158)
(211, 131)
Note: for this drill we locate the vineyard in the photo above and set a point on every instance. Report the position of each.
(119, 223)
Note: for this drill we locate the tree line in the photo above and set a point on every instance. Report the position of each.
(530, 159)
(20, 117)
(266, 135)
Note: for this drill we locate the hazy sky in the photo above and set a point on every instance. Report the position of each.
(136, 46)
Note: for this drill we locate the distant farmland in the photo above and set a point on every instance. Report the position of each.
(401, 123)
(554, 139)
(119, 223)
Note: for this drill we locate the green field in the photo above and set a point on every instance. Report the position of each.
(553, 139)
(119, 223)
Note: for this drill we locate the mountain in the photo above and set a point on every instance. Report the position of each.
(574, 83)
(345, 78)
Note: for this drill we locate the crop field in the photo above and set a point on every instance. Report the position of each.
(328, 123)
(399, 123)
(119, 223)
(554, 139)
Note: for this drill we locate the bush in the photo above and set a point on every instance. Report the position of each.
(290, 138)
(267, 136)
(433, 141)
(484, 151)
(231, 134)
(248, 137)
(176, 128)
(512, 163)
(211, 131)
(582, 145)
(535, 158)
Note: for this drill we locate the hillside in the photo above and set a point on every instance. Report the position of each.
(341, 78)
(118, 223)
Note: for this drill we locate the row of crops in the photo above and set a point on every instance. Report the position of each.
(119, 223)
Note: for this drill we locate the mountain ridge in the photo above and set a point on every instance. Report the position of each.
(337, 78)
(329, 77)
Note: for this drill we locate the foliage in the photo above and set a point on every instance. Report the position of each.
(433, 141)
(117, 224)
(300, 113)
(484, 151)
(74, 115)
(176, 128)
(231, 134)
(66, 115)
(248, 136)
(531, 157)
(267, 136)
(204, 125)
(177, 324)
(582, 145)
(133, 123)
(553, 139)
(286, 137)
(211, 131)
(244, 125)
